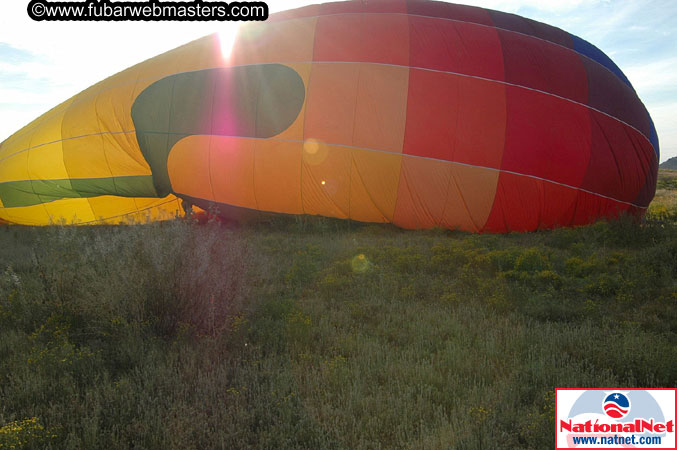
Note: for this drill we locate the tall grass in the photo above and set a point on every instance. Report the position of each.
(315, 333)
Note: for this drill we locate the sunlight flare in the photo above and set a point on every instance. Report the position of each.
(227, 37)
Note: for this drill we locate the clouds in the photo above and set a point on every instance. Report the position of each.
(656, 80)
(12, 55)
(26, 87)
(43, 64)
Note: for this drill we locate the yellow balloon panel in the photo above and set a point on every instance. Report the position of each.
(50, 127)
(46, 162)
(114, 103)
(117, 210)
(100, 210)
(68, 211)
(85, 157)
(19, 141)
(80, 118)
(111, 207)
(31, 215)
(152, 210)
(123, 156)
(14, 167)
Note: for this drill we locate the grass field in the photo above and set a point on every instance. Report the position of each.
(322, 334)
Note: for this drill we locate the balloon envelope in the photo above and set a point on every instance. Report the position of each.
(412, 112)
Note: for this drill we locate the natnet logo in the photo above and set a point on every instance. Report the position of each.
(615, 418)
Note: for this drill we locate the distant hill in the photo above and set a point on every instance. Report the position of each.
(669, 164)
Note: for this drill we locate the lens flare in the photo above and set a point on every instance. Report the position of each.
(360, 263)
(311, 146)
(314, 152)
(227, 38)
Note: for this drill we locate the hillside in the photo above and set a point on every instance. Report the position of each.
(669, 164)
(316, 333)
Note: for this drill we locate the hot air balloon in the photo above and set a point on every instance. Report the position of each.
(412, 112)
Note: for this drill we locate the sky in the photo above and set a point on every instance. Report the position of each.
(44, 63)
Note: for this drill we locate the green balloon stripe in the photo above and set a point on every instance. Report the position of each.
(15, 194)
(256, 101)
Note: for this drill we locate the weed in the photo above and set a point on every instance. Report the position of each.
(305, 332)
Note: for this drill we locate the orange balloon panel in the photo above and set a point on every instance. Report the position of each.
(414, 112)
